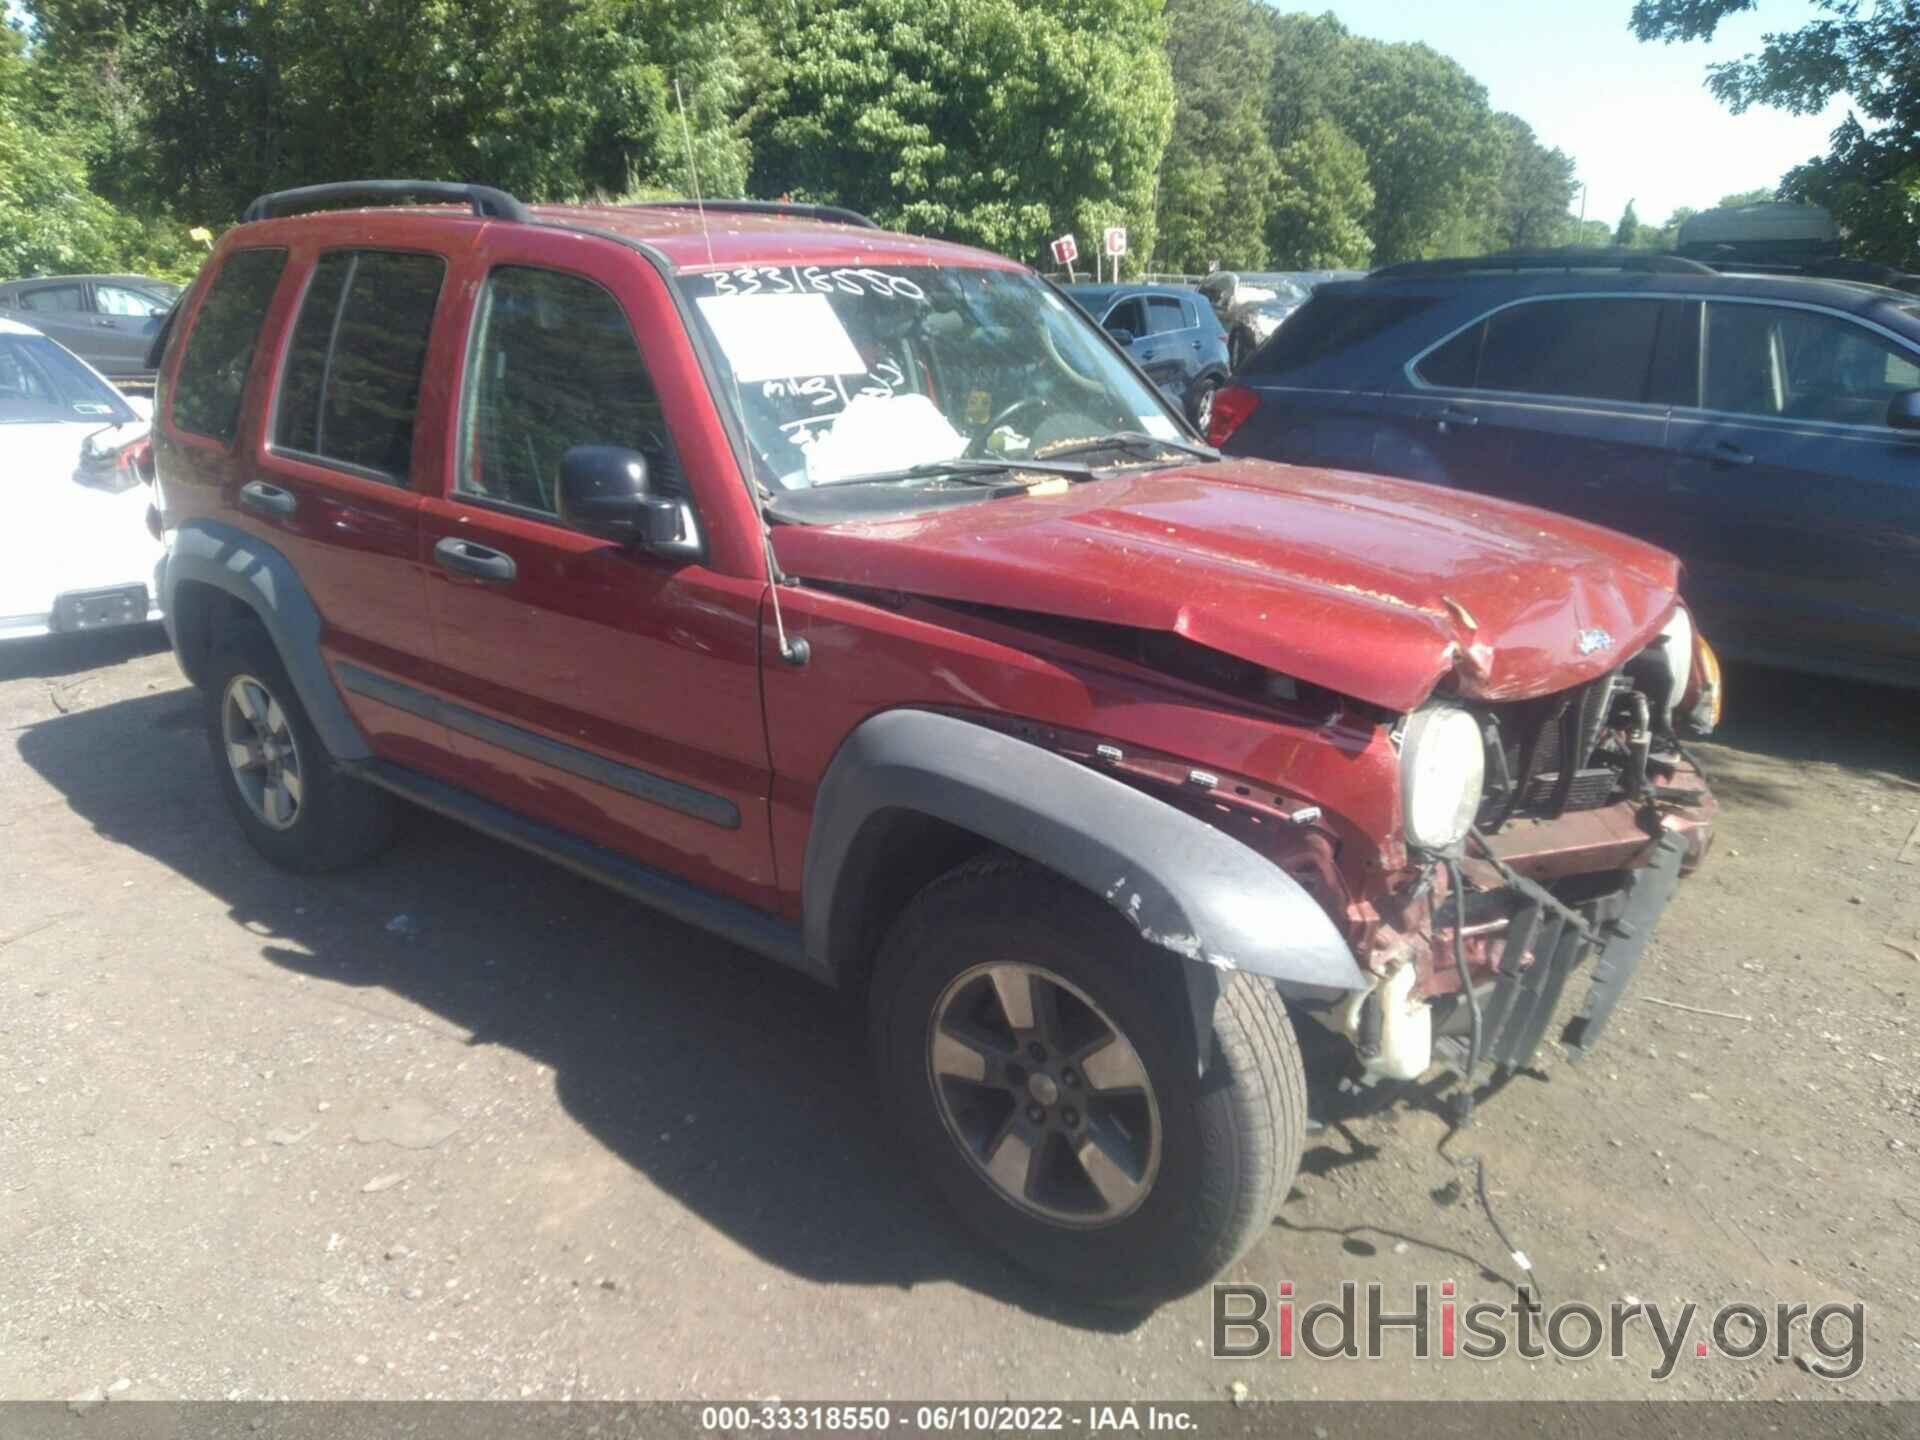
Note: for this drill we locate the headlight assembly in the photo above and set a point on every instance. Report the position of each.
(1442, 770)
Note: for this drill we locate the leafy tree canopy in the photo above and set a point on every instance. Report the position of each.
(1867, 50)
(998, 122)
(1217, 179)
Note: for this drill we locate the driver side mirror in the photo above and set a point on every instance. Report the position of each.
(605, 491)
(1903, 411)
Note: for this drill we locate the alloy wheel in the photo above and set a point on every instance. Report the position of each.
(261, 751)
(1044, 1094)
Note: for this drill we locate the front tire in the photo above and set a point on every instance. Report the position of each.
(291, 802)
(1043, 1061)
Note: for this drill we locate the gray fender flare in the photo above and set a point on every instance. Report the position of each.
(262, 579)
(1182, 884)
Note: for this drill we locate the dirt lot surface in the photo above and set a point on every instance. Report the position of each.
(461, 1124)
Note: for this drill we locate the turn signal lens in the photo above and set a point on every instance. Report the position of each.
(1232, 404)
(1700, 705)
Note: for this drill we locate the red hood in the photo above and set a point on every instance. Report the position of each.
(1371, 587)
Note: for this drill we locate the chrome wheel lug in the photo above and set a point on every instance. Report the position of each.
(1036, 1115)
(1036, 1052)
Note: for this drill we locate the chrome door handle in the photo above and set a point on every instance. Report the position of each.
(265, 499)
(477, 562)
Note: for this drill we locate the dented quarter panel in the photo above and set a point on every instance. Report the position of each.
(1373, 587)
(866, 657)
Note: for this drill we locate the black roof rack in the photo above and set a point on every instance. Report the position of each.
(486, 201)
(837, 214)
(1514, 261)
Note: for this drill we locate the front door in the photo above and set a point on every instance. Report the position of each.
(598, 687)
(1807, 502)
(124, 320)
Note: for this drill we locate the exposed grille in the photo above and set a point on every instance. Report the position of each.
(1530, 744)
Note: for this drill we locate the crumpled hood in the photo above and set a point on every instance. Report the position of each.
(1372, 587)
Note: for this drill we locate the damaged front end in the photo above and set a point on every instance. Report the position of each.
(1589, 810)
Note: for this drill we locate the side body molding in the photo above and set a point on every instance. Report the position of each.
(1183, 885)
(260, 577)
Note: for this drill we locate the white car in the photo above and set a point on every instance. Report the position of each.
(76, 552)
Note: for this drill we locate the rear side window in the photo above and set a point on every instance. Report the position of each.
(1330, 323)
(1593, 349)
(51, 299)
(351, 386)
(553, 365)
(1584, 349)
(1165, 315)
(213, 372)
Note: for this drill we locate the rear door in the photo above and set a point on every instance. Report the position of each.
(608, 690)
(1173, 346)
(334, 482)
(1553, 402)
(62, 310)
(1807, 502)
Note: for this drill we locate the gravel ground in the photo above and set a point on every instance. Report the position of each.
(461, 1124)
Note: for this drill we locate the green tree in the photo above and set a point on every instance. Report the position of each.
(1746, 197)
(1431, 146)
(1217, 178)
(1627, 232)
(1321, 203)
(998, 122)
(209, 102)
(49, 220)
(1535, 188)
(1870, 177)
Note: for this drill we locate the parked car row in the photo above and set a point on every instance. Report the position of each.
(1764, 428)
(107, 320)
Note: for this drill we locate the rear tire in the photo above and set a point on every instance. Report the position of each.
(291, 802)
(1184, 1166)
(1201, 405)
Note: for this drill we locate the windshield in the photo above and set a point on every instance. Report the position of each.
(845, 373)
(40, 382)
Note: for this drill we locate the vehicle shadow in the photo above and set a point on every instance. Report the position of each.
(49, 657)
(643, 1021)
(1792, 720)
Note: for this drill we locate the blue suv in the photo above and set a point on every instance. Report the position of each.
(1766, 429)
(1170, 332)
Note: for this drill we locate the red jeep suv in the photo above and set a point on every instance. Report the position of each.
(853, 596)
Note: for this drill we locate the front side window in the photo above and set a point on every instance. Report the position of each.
(1598, 349)
(854, 373)
(1129, 316)
(120, 300)
(213, 372)
(1801, 365)
(553, 365)
(351, 386)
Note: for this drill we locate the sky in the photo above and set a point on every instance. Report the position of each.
(1635, 116)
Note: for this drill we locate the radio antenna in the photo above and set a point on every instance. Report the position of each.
(793, 651)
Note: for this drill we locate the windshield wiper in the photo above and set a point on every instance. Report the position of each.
(1138, 440)
(972, 470)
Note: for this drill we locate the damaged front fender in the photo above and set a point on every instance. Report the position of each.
(1183, 885)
